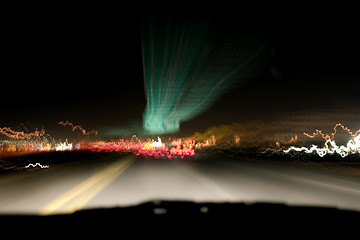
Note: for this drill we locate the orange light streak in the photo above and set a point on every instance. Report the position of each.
(327, 136)
(330, 146)
(80, 128)
(20, 135)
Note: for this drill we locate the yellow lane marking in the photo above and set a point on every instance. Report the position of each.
(82, 193)
(88, 195)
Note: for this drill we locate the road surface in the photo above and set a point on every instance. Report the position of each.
(128, 180)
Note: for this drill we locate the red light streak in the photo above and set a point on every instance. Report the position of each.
(144, 148)
(23, 143)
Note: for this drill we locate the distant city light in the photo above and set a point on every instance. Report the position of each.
(37, 142)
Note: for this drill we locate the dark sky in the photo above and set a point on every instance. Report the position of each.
(87, 68)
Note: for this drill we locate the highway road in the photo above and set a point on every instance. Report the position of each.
(128, 180)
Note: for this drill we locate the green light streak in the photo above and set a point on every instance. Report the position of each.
(188, 65)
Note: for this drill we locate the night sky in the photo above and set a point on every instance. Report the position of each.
(87, 68)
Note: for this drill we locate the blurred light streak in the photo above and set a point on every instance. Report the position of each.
(187, 67)
(38, 142)
(79, 127)
(65, 146)
(20, 134)
(352, 146)
(285, 142)
(210, 142)
(37, 164)
(134, 145)
(328, 137)
(330, 146)
(149, 148)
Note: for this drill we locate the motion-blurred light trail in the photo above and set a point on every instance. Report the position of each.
(153, 148)
(36, 165)
(327, 136)
(330, 146)
(65, 146)
(20, 134)
(80, 128)
(186, 68)
(37, 142)
(352, 146)
(123, 146)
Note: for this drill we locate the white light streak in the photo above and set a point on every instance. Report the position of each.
(65, 146)
(37, 164)
(158, 143)
(330, 147)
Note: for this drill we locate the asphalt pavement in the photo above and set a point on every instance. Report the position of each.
(129, 180)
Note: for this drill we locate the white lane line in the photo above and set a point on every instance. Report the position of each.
(210, 184)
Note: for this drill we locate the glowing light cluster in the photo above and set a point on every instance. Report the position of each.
(330, 146)
(285, 142)
(65, 146)
(149, 148)
(35, 146)
(153, 148)
(208, 142)
(38, 142)
(187, 148)
(25, 145)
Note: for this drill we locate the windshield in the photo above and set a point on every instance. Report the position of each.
(194, 106)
